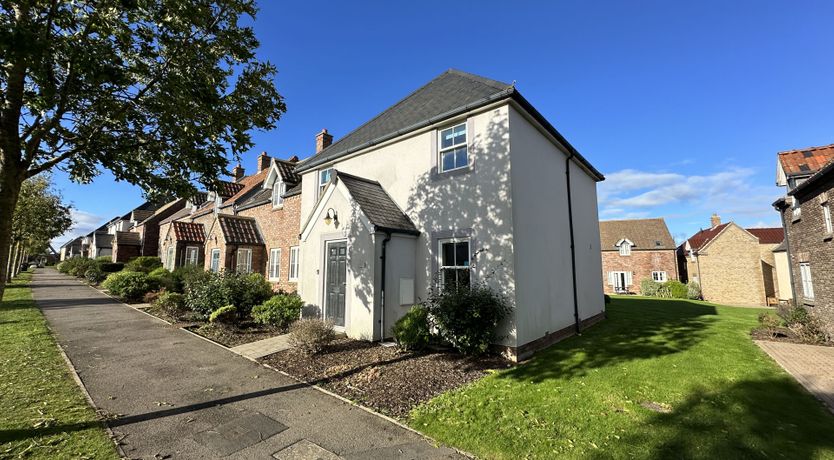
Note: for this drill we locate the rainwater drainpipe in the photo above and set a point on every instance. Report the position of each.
(382, 288)
(572, 246)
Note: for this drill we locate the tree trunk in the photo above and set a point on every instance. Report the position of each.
(8, 265)
(10, 181)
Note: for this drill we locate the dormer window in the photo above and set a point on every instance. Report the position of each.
(278, 190)
(625, 247)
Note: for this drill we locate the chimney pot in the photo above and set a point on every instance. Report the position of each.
(715, 220)
(238, 172)
(293, 159)
(323, 140)
(263, 161)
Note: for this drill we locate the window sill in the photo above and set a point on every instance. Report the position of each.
(795, 219)
(436, 175)
(293, 280)
(273, 280)
(808, 302)
(276, 208)
(828, 237)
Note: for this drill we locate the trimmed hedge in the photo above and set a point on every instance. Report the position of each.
(144, 264)
(128, 285)
(280, 310)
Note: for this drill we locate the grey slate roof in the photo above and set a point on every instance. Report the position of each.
(451, 93)
(127, 239)
(377, 204)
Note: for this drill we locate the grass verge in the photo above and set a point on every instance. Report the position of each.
(43, 413)
(657, 379)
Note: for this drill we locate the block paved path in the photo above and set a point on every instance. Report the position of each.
(811, 365)
(173, 395)
(265, 347)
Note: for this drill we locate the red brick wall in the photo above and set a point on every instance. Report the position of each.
(641, 264)
(280, 228)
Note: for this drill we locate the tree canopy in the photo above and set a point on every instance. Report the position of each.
(41, 214)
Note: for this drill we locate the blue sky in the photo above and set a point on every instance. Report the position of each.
(682, 105)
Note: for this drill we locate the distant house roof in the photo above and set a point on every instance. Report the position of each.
(127, 239)
(449, 94)
(773, 235)
(804, 162)
(239, 230)
(250, 185)
(184, 212)
(377, 205)
(73, 242)
(189, 232)
(646, 234)
(700, 239)
(228, 189)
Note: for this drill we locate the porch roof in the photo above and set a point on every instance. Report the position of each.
(377, 205)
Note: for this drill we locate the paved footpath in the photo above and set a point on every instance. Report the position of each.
(810, 365)
(173, 395)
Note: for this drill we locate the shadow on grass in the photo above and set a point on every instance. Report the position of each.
(22, 304)
(749, 419)
(638, 328)
(20, 434)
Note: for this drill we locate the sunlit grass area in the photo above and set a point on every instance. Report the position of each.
(43, 413)
(657, 379)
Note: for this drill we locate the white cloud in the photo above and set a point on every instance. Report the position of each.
(83, 222)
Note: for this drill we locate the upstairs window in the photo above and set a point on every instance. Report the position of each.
(278, 190)
(324, 178)
(454, 263)
(826, 217)
(453, 148)
(796, 209)
(625, 248)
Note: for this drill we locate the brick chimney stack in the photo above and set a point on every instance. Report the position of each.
(238, 172)
(715, 220)
(263, 161)
(323, 140)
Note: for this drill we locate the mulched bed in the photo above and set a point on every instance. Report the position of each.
(782, 334)
(230, 336)
(384, 378)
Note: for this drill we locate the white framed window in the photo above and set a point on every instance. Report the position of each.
(274, 264)
(455, 267)
(215, 260)
(659, 276)
(244, 260)
(826, 217)
(191, 255)
(170, 258)
(453, 148)
(278, 190)
(324, 178)
(294, 263)
(620, 281)
(625, 248)
(807, 283)
(797, 209)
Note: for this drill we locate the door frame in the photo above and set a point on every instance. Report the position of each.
(325, 252)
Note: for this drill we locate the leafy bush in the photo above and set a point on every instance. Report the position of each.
(130, 286)
(144, 264)
(649, 287)
(677, 290)
(806, 327)
(205, 292)
(769, 321)
(226, 315)
(311, 335)
(412, 331)
(693, 290)
(181, 275)
(111, 267)
(94, 275)
(78, 266)
(104, 259)
(280, 310)
(171, 303)
(161, 278)
(468, 318)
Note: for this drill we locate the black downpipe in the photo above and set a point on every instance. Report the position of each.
(572, 246)
(382, 288)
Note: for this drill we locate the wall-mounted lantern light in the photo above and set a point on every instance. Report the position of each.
(331, 217)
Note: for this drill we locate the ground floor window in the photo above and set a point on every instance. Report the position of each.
(660, 277)
(620, 281)
(455, 269)
(170, 258)
(191, 255)
(807, 283)
(274, 264)
(244, 260)
(215, 260)
(294, 263)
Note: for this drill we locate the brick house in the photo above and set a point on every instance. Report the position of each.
(733, 265)
(148, 229)
(808, 175)
(184, 244)
(634, 250)
(234, 243)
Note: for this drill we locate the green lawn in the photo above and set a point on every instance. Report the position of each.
(43, 413)
(715, 394)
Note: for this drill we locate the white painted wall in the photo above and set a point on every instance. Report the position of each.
(783, 275)
(542, 261)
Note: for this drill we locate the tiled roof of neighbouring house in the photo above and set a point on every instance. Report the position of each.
(239, 230)
(250, 185)
(449, 94)
(287, 170)
(773, 235)
(377, 204)
(698, 240)
(646, 234)
(228, 189)
(189, 231)
(128, 239)
(184, 212)
(804, 162)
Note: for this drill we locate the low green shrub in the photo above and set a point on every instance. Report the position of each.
(128, 285)
(247, 290)
(693, 290)
(311, 335)
(94, 275)
(144, 264)
(412, 332)
(279, 310)
(161, 278)
(677, 290)
(181, 275)
(79, 266)
(104, 259)
(205, 292)
(649, 287)
(468, 318)
(171, 303)
(111, 267)
(225, 315)
(769, 320)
